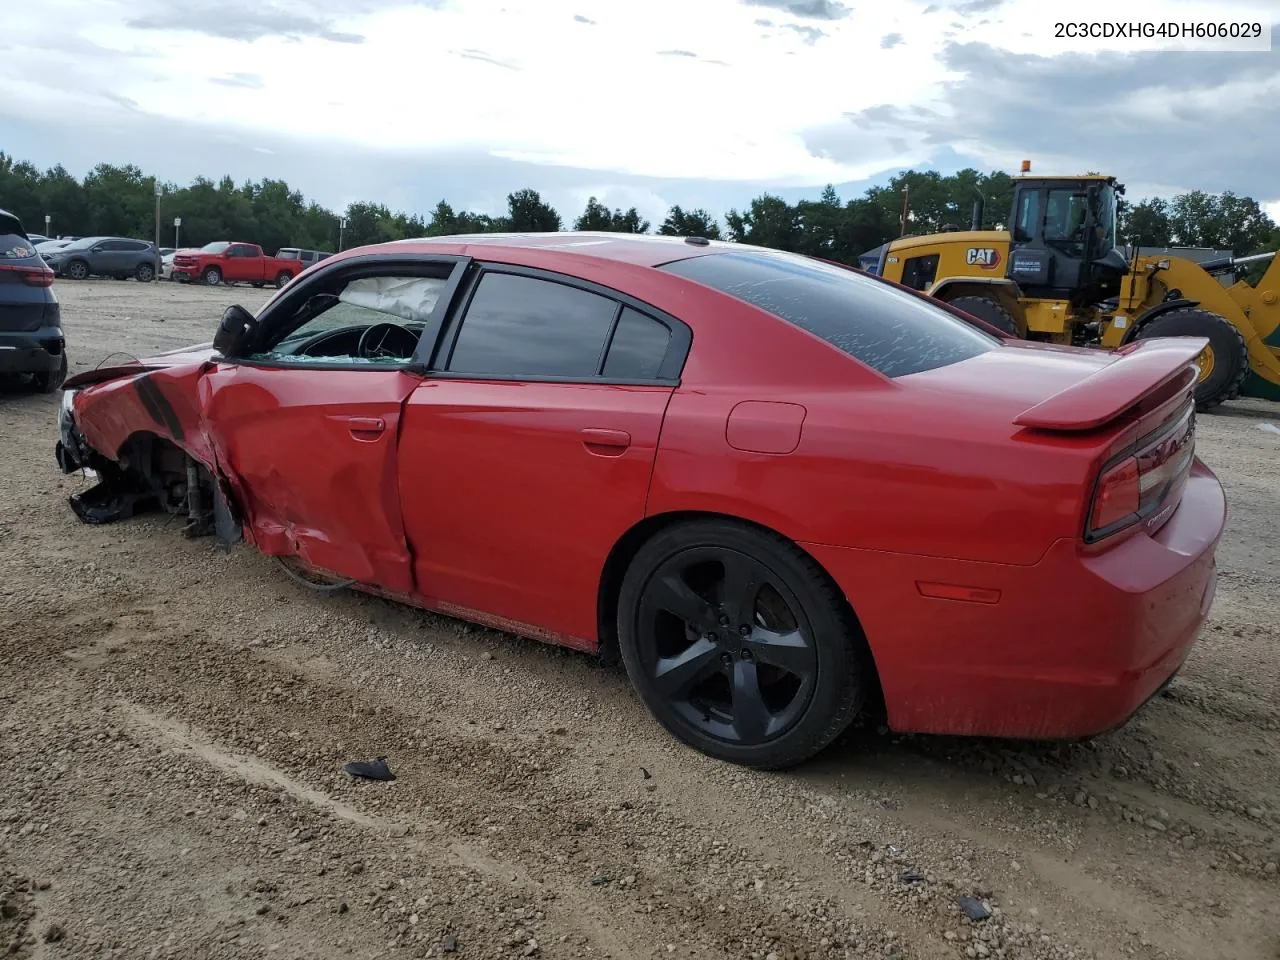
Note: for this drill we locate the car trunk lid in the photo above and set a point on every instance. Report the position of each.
(1131, 409)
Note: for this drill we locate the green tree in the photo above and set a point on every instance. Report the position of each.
(689, 223)
(528, 214)
(596, 216)
(819, 227)
(1225, 221)
(769, 222)
(1146, 223)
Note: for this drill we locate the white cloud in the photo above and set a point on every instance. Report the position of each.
(569, 83)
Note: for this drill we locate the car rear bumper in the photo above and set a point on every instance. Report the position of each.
(35, 351)
(1069, 647)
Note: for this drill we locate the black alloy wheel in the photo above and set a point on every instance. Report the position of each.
(739, 644)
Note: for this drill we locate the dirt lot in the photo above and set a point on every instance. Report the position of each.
(175, 720)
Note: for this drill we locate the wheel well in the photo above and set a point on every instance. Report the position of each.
(1004, 294)
(1159, 310)
(629, 544)
(152, 455)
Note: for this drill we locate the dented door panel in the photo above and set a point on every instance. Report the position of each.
(314, 454)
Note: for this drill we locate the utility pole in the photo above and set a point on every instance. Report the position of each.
(159, 190)
(906, 191)
(47, 220)
(177, 231)
(342, 227)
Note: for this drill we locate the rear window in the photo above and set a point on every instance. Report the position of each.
(14, 246)
(887, 329)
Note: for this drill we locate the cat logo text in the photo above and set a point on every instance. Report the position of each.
(988, 258)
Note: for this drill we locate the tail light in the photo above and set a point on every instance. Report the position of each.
(40, 276)
(1144, 485)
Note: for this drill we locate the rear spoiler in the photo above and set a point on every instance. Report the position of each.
(1138, 370)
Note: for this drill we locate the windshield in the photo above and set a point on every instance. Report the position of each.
(218, 246)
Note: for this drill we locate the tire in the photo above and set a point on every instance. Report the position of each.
(1228, 350)
(76, 270)
(53, 380)
(827, 667)
(211, 277)
(145, 273)
(282, 278)
(984, 308)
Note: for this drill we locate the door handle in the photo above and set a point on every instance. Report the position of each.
(595, 438)
(365, 428)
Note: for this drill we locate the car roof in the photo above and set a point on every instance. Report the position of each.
(639, 249)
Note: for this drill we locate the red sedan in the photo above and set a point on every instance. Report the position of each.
(781, 489)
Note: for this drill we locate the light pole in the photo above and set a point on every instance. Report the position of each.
(342, 226)
(177, 230)
(47, 220)
(159, 190)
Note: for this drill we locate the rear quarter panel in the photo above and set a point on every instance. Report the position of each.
(880, 465)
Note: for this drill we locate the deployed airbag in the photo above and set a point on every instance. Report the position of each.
(410, 298)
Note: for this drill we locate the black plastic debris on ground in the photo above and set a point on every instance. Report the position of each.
(912, 876)
(449, 943)
(973, 908)
(370, 769)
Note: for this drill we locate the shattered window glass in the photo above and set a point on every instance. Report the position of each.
(889, 330)
(332, 332)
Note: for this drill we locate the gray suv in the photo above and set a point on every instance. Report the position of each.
(117, 257)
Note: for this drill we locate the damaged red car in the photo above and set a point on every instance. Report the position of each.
(782, 490)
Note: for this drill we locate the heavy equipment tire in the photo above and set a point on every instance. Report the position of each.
(984, 308)
(689, 635)
(1228, 354)
(211, 277)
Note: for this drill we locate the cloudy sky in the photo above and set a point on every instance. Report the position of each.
(644, 102)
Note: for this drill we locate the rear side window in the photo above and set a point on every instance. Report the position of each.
(525, 327)
(888, 329)
(14, 246)
(638, 347)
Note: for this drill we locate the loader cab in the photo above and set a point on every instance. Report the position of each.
(1062, 242)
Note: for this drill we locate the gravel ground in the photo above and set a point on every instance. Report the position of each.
(174, 721)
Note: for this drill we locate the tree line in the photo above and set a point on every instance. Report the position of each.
(121, 201)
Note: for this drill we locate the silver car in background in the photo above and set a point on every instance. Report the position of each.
(118, 257)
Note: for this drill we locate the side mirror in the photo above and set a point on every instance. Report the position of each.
(235, 333)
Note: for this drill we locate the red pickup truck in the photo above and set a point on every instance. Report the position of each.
(227, 262)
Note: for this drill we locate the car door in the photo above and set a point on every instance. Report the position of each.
(243, 264)
(306, 424)
(527, 453)
(105, 257)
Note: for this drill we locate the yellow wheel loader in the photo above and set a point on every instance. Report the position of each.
(1056, 275)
